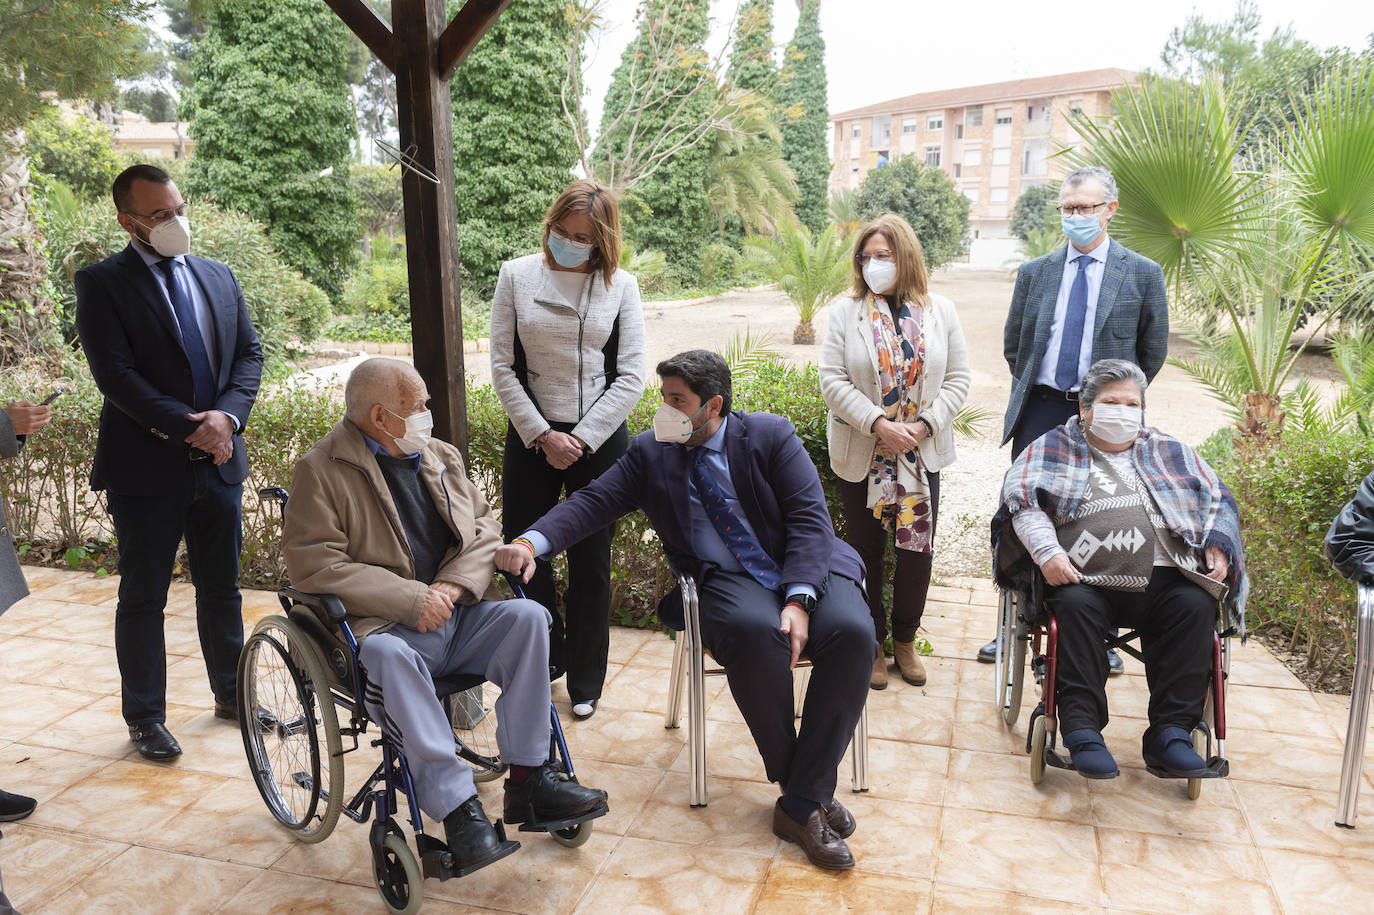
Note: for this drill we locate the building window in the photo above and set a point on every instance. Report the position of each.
(972, 194)
(935, 122)
(958, 131)
(854, 165)
(855, 131)
(882, 132)
(958, 169)
(908, 125)
(973, 115)
(882, 160)
(1001, 156)
(1003, 115)
(932, 155)
(1075, 109)
(973, 157)
(1036, 158)
(998, 195)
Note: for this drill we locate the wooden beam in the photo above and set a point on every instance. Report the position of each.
(467, 28)
(364, 22)
(425, 120)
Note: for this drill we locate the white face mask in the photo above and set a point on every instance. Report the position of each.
(171, 238)
(672, 425)
(1115, 423)
(880, 275)
(419, 427)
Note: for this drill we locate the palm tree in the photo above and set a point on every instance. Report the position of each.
(749, 178)
(1249, 253)
(809, 270)
(844, 210)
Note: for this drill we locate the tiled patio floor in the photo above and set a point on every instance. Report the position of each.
(952, 823)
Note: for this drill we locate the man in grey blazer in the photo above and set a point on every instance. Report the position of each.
(1092, 299)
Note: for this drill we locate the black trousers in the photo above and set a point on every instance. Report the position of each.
(1176, 620)
(911, 575)
(209, 512)
(739, 624)
(530, 486)
(1045, 408)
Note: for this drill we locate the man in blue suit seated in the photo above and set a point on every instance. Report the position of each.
(737, 503)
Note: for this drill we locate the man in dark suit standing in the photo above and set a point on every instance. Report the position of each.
(737, 503)
(171, 347)
(1092, 299)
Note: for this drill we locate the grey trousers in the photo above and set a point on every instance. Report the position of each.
(505, 641)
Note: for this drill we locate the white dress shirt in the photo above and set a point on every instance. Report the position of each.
(1095, 269)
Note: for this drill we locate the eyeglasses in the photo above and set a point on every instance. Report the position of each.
(862, 259)
(563, 234)
(1084, 210)
(163, 215)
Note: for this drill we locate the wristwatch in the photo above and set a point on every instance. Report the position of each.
(803, 600)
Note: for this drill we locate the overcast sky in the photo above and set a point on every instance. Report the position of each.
(882, 49)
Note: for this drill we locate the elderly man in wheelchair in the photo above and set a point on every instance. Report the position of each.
(386, 518)
(1129, 527)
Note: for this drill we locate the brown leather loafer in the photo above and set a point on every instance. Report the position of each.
(841, 820)
(822, 846)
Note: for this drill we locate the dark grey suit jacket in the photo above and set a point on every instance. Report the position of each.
(1132, 319)
(12, 584)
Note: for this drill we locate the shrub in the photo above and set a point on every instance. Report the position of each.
(720, 265)
(282, 303)
(1035, 212)
(80, 153)
(924, 196)
(1288, 496)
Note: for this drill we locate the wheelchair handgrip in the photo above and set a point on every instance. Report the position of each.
(513, 582)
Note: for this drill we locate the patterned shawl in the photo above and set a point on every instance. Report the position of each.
(897, 489)
(1051, 475)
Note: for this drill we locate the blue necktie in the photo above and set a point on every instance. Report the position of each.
(1066, 369)
(737, 538)
(202, 378)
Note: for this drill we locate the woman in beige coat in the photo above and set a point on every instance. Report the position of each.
(894, 371)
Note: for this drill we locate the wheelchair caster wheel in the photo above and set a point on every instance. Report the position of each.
(573, 836)
(1037, 749)
(397, 876)
(1200, 748)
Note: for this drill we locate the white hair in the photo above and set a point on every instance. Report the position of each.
(1078, 176)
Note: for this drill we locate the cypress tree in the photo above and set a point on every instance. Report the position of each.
(269, 110)
(751, 59)
(513, 150)
(676, 215)
(805, 123)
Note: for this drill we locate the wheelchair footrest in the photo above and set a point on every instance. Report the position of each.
(552, 825)
(436, 860)
(1217, 767)
(1055, 760)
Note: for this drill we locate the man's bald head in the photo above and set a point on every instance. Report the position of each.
(389, 382)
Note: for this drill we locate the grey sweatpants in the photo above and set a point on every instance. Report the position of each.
(505, 641)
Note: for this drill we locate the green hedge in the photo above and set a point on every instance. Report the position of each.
(53, 513)
(1288, 495)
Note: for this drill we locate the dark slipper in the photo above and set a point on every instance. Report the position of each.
(1172, 751)
(1091, 758)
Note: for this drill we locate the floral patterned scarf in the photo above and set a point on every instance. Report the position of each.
(897, 489)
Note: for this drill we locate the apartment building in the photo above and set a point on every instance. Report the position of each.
(994, 140)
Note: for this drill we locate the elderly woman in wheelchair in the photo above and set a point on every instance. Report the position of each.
(394, 548)
(1128, 527)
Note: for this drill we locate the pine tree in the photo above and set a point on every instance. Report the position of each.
(270, 109)
(805, 123)
(513, 151)
(751, 59)
(670, 44)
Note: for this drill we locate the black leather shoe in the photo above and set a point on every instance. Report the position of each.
(841, 820)
(548, 794)
(988, 653)
(822, 846)
(15, 806)
(1114, 663)
(471, 836)
(229, 711)
(154, 741)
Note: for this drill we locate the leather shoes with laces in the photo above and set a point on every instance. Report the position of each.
(823, 847)
(154, 741)
(547, 795)
(471, 837)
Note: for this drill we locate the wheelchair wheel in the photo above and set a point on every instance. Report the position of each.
(1011, 666)
(291, 734)
(1037, 748)
(1200, 748)
(474, 730)
(574, 836)
(397, 876)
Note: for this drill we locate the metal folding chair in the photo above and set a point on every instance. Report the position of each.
(689, 664)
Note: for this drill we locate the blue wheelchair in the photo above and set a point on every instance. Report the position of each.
(296, 672)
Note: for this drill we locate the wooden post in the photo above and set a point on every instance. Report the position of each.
(425, 120)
